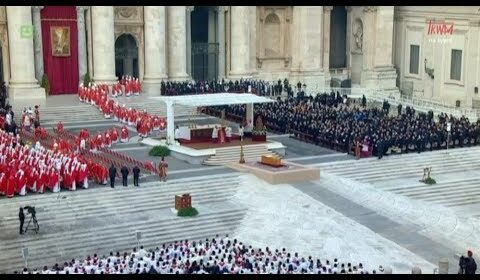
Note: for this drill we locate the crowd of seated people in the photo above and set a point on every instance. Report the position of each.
(211, 256)
(329, 120)
(259, 87)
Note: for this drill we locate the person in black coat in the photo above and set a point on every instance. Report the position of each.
(21, 217)
(124, 172)
(112, 172)
(136, 175)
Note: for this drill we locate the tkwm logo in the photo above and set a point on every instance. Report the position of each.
(439, 28)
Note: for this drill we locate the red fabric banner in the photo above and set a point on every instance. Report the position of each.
(59, 32)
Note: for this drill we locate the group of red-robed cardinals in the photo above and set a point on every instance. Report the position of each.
(128, 85)
(144, 122)
(36, 169)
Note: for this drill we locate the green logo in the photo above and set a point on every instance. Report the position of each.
(26, 31)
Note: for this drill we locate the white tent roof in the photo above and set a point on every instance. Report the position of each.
(214, 99)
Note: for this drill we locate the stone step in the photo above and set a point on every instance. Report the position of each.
(154, 187)
(415, 168)
(396, 159)
(116, 240)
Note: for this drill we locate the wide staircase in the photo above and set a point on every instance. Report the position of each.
(101, 219)
(88, 113)
(232, 154)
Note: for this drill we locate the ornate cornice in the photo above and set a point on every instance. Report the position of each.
(222, 9)
(82, 8)
(370, 9)
(37, 9)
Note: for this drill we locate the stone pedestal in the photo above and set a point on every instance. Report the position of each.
(23, 84)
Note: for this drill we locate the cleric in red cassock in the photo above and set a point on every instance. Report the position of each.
(124, 134)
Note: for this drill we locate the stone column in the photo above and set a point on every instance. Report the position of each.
(82, 42)
(212, 39)
(170, 122)
(327, 10)
(177, 42)
(384, 42)
(23, 84)
(379, 71)
(103, 44)
(37, 41)
(249, 113)
(155, 48)
(240, 43)
(369, 36)
(189, 11)
(89, 42)
(221, 40)
(253, 40)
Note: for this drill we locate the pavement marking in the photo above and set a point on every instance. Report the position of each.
(278, 136)
(314, 157)
(196, 169)
(131, 148)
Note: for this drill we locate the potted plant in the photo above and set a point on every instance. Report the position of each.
(45, 84)
(159, 151)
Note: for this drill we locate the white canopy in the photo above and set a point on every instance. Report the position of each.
(214, 99)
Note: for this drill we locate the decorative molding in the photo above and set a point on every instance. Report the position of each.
(135, 31)
(370, 9)
(3, 36)
(283, 14)
(128, 15)
(3, 15)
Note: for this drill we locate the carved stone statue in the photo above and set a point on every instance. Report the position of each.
(259, 123)
(358, 34)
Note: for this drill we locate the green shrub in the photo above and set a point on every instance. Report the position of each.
(187, 212)
(159, 151)
(430, 181)
(86, 79)
(45, 84)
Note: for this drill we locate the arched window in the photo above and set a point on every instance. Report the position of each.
(272, 36)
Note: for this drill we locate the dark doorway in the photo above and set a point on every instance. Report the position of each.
(204, 52)
(338, 37)
(126, 56)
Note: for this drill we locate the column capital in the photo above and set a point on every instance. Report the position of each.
(222, 9)
(370, 9)
(37, 9)
(327, 8)
(190, 8)
(81, 8)
(348, 8)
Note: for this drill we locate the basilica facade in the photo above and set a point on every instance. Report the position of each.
(426, 52)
